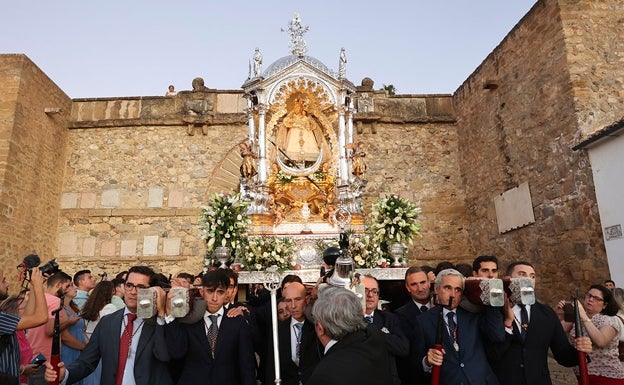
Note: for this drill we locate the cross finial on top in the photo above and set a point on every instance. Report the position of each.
(296, 30)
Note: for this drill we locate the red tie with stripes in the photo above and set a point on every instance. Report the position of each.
(124, 348)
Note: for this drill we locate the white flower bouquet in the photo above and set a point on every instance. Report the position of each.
(260, 252)
(393, 220)
(224, 221)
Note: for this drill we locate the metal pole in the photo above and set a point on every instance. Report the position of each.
(272, 283)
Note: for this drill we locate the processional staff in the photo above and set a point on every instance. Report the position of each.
(272, 281)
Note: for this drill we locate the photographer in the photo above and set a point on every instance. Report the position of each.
(41, 337)
(35, 314)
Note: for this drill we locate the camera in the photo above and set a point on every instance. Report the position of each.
(50, 268)
(30, 262)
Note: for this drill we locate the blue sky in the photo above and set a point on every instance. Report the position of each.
(139, 47)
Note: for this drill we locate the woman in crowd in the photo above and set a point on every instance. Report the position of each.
(73, 338)
(598, 321)
(97, 306)
(618, 294)
(15, 304)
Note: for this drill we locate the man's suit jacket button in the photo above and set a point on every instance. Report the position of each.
(461, 365)
(522, 365)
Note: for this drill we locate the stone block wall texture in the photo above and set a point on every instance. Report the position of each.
(595, 56)
(523, 131)
(32, 157)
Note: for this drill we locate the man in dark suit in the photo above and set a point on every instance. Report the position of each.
(522, 358)
(299, 349)
(147, 356)
(419, 288)
(355, 353)
(462, 359)
(217, 349)
(396, 342)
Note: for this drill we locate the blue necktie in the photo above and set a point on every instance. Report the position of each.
(298, 327)
(451, 321)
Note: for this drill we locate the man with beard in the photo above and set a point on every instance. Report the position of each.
(40, 338)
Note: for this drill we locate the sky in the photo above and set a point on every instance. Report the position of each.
(138, 47)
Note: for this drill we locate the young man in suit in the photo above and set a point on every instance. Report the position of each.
(299, 349)
(217, 349)
(462, 358)
(522, 358)
(120, 334)
(355, 353)
(396, 342)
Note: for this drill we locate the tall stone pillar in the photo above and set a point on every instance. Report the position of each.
(262, 163)
(251, 123)
(343, 173)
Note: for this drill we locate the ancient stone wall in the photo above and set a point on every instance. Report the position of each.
(32, 156)
(595, 54)
(420, 162)
(133, 194)
(517, 122)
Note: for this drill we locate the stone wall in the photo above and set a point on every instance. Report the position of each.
(32, 156)
(595, 54)
(517, 118)
(133, 194)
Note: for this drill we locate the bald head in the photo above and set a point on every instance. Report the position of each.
(295, 297)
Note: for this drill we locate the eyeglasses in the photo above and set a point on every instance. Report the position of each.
(593, 297)
(129, 286)
(371, 291)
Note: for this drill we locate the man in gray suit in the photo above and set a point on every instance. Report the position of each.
(147, 353)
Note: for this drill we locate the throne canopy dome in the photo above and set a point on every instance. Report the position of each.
(286, 61)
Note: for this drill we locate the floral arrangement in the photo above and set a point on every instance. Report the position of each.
(393, 220)
(260, 252)
(224, 221)
(364, 250)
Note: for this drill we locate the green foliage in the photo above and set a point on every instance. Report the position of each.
(390, 89)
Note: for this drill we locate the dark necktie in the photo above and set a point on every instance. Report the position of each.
(451, 323)
(213, 331)
(423, 308)
(452, 328)
(298, 327)
(524, 321)
(124, 348)
(368, 319)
